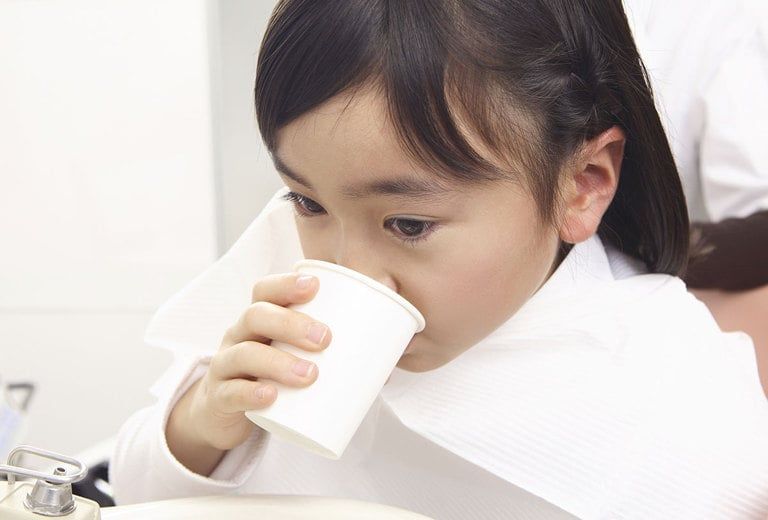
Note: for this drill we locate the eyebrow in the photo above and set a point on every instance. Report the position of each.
(404, 187)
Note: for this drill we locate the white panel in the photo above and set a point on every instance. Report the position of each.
(91, 371)
(248, 178)
(107, 194)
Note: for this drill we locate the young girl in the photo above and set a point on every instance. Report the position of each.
(500, 164)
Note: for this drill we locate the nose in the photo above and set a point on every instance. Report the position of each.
(389, 283)
(373, 272)
(362, 258)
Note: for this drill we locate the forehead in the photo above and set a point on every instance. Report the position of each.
(345, 128)
(350, 141)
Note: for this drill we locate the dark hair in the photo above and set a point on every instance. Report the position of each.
(534, 78)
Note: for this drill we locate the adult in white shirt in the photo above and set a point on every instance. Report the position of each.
(708, 64)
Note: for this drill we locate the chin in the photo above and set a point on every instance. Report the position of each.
(418, 362)
(409, 363)
(420, 355)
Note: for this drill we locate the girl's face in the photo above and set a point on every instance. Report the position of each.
(467, 257)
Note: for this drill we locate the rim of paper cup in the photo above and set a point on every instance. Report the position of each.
(290, 435)
(421, 323)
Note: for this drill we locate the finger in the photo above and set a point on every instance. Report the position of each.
(239, 395)
(285, 288)
(264, 322)
(255, 360)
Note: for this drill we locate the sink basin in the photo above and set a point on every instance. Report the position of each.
(251, 507)
(52, 492)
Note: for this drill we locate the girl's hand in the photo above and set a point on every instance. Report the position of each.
(235, 381)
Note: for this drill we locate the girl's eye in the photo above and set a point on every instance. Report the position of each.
(304, 207)
(409, 231)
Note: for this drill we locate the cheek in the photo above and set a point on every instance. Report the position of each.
(464, 304)
(467, 294)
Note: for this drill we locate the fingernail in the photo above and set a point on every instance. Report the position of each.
(303, 368)
(317, 332)
(302, 282)
(264, 392)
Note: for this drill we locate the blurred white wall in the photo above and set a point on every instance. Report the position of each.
(247, 178)
(129, 161)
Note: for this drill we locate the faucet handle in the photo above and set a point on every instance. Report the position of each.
(59, 477)
(51, 494)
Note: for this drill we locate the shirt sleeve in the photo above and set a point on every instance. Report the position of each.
(142, 467)
(733, 151)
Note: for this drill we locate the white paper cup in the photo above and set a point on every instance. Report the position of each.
(371, 325)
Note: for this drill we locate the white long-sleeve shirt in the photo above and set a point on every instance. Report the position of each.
(430, 480)
(708, 65)
(609, 394)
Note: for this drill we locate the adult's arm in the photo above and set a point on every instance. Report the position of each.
(730, 255)
(731, 252)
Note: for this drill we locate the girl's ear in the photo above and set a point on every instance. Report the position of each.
(589, 187)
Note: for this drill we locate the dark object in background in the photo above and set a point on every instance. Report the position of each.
(731, 255)
(95, 485)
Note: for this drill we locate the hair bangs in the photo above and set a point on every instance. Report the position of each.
(481, 90)
(435, 100)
